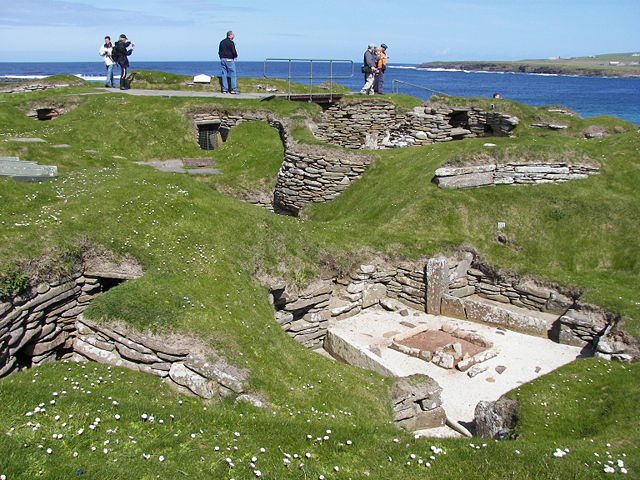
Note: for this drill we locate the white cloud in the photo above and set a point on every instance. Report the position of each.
(68, 14)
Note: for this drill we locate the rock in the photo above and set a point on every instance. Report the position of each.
(437, 273)
(500, 369)
(443, 359)
(496, 419)
(389, 304)
(372, 294)
(478, 310)
(196, 383)
(476, 370)
(452, 307)
(465, 180)
(253, 400)
(423, 420)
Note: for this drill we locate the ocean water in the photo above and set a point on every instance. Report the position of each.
(588, 96)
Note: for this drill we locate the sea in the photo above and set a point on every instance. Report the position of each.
(587, 96)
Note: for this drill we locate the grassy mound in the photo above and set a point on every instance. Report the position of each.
(201, 249)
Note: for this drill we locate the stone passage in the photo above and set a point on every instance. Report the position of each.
(510, 173)
(309, 173)
(38, 326)
(45, 324)
(378, 123)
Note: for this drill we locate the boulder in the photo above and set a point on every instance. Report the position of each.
(496, 419)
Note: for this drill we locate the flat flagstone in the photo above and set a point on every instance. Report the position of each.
(177, 165)
(61, 145)
(26, 139)
(169, 166)
(204, 171)
(26, 171)
(198, 162)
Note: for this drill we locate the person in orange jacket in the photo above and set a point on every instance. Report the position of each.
(378, 84)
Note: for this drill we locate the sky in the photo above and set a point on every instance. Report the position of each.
(416, 31)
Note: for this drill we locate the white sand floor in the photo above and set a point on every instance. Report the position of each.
(525, 357)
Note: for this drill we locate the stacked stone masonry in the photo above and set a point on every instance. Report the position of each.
(456, 287)
(183, 370)
(377, 124)
(38, 326)
(510, 173)
(309, 173)
(45, 324)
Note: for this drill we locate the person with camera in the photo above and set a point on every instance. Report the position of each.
(120, 54)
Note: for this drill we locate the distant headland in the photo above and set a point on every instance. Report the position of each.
(607, 65)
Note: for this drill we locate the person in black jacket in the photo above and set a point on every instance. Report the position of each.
(227, 53)
(120, 55)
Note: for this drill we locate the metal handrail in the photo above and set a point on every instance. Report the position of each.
(311, 76)
(394, 87)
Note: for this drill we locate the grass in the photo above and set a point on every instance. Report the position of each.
(170, 81)
(201, 250)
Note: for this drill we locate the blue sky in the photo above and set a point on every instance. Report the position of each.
(415, 30)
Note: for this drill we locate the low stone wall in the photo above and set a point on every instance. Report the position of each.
(510, 173)
(417, 403)
(457, 287)
(305, 315)
(376, 123)
(182, 369)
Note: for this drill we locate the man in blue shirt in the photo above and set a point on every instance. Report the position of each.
(227, 53)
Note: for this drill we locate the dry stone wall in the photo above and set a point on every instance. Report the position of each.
(183, 370)
(375, 124)
(457, 287)
(309, 174)
(510, 173)
(46, 323)
(38, 326)
(312, 175)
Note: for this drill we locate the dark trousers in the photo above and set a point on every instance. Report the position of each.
(378, 83)
(124, 69)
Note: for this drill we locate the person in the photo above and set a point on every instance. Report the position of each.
(105, 52)
(369, 70)
(120, 55)
(227, 53)
(497, 95)
(381, 53)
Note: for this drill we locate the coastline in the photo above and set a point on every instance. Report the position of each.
(537, 68)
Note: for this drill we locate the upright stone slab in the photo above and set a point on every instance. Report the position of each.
(437, 272)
